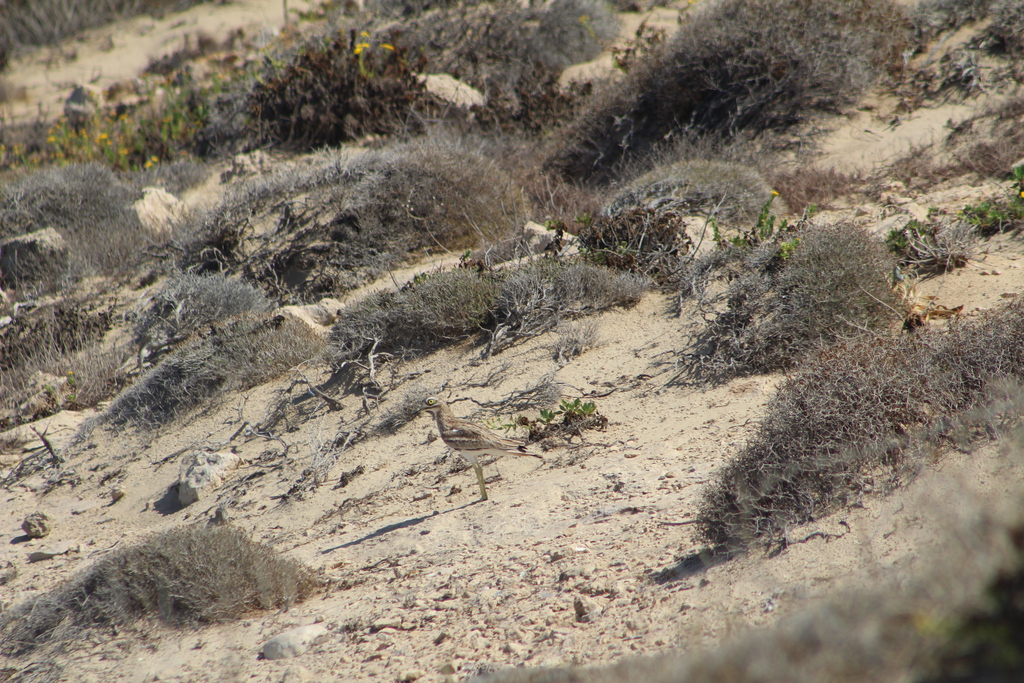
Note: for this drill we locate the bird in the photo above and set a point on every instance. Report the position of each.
(469, 440)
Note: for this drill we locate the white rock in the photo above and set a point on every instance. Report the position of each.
(201, 472)
(319, 316)
(452, 90)
(159, 211)
(292, 643)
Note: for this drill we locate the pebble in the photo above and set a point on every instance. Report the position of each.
(293, 642)
(36, 525)
(410, 675)
(116, 494)
(586, 609)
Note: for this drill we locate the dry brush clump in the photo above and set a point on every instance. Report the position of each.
(736, 67)
(502, 307)
(363, 77)
(186, 302)
(182, 577)
(787, 296)
(856, 417)
(233, 354)
(89, 206)
(53, 358)
(331, 226)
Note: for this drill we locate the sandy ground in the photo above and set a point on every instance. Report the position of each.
(430, 584)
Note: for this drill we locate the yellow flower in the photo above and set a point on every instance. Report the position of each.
(774, 193)
(51, 139)
(123, 151)
(1022, 194)
(362, 46)
(387, 46)
(154, 159)
(103, 136)
(364, 34)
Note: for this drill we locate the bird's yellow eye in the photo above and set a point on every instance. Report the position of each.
(431, 401)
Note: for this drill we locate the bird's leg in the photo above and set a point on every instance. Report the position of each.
(480, 477)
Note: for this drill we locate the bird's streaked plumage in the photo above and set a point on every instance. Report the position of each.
(469, 440)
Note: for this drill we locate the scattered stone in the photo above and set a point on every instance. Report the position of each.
(36, 525)
(440, 638)
(410, 675)
(220, 516)
(293, 642)
(452, 90)
(52, 551)
(202, 472)
(319, 316)
(586, 609)
(517, 649)
(36, 257)
(116, 494)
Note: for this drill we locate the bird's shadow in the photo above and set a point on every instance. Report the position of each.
(404, 524)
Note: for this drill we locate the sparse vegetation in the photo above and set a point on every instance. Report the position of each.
(790, 291)
(234, 354)
(854, 418)
(186, 302)
(448, 306)
(358, 217)
(182, 577)
(57, 345)
(938, 245)
(735, 67)
(88, 205)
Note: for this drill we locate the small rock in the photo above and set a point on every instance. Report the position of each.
(410, 675)
(36, 525)
(116, 494)
(201, 472)
(586, 609)
(49, 552)
(995, 271)
(296, 673)
(293, 642)
(452, 90)
(159, 211)
(517, 649)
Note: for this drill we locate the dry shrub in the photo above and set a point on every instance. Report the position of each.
(574, 338)
(729, 191)
(812, 185)
(233, 354)
(851, 420)
(183, 577)
(88, 205)
(53, 341)
(640, 240)
(788, 296)
(737, 66)
(536, 298)
(343, 86)
(357, 217)
(186, 302)
(449, 306)
(329, 94)
(438, 309)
